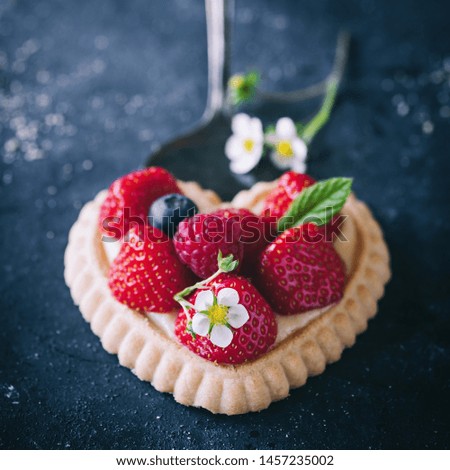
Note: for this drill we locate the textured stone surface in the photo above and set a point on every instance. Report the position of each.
(87, 89)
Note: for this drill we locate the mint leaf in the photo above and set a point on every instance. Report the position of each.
(317, 203)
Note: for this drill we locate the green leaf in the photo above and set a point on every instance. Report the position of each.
(253, 78)
(317, 203)
(242, 87)
(270, 129)
(226, 264)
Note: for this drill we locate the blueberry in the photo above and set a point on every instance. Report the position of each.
(169, 210)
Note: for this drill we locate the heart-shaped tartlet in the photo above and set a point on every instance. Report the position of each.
(304, 344)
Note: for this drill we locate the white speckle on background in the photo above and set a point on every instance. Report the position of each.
(101, 43)
(31, 152)
(444, 112)
(97, 102)
(98, 66)
(427, 127)
(87, 165)
(43, 100)
(50, 235)
(43, 77)
(437, 77)
(11, 145)
(145, 135)
(275, 73)
(54, 119)
(280, 22)
(447, 64)
(397, 99)
(67, 168)
(402, 109)
(7, 177)
(11, 393)
(245, 16)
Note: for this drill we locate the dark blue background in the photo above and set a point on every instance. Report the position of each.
(88, 88)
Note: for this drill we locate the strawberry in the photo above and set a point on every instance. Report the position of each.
(301, 271)
(257, 232)
(129, 198)
(199, 239)
(256, 331)
(146, 273)
(290, 185)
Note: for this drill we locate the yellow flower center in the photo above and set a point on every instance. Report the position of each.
(218, 314)
(248, 145)
(284, 148)
(236, 81)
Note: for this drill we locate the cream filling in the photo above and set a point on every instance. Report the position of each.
(165, 322)
(287, 324)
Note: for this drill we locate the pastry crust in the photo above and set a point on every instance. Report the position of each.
(170, 367)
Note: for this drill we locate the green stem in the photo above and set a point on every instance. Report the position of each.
(322, 117)
(332, 85)
(179, 297)
(225, 265)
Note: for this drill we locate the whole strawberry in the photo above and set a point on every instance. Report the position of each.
(129, 198)
(257, 232)
(146, 273)
(229, 321)
(290, 185)
(199, 240)
(301, 271)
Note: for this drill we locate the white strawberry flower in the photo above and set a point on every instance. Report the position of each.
(216, 316)
(289, 150)
(245, 146)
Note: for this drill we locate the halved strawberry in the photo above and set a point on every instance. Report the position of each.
(146, 273)
(130, 197)
(254, 330)
(301, 271)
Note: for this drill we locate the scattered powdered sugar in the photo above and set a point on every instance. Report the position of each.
(409, 99)
(10, 393)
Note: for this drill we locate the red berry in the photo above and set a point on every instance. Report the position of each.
(146, 273)
(301, 271)
(199, 239)
(249, 341)
(257, 233)
(129, 198)
(290, 185)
